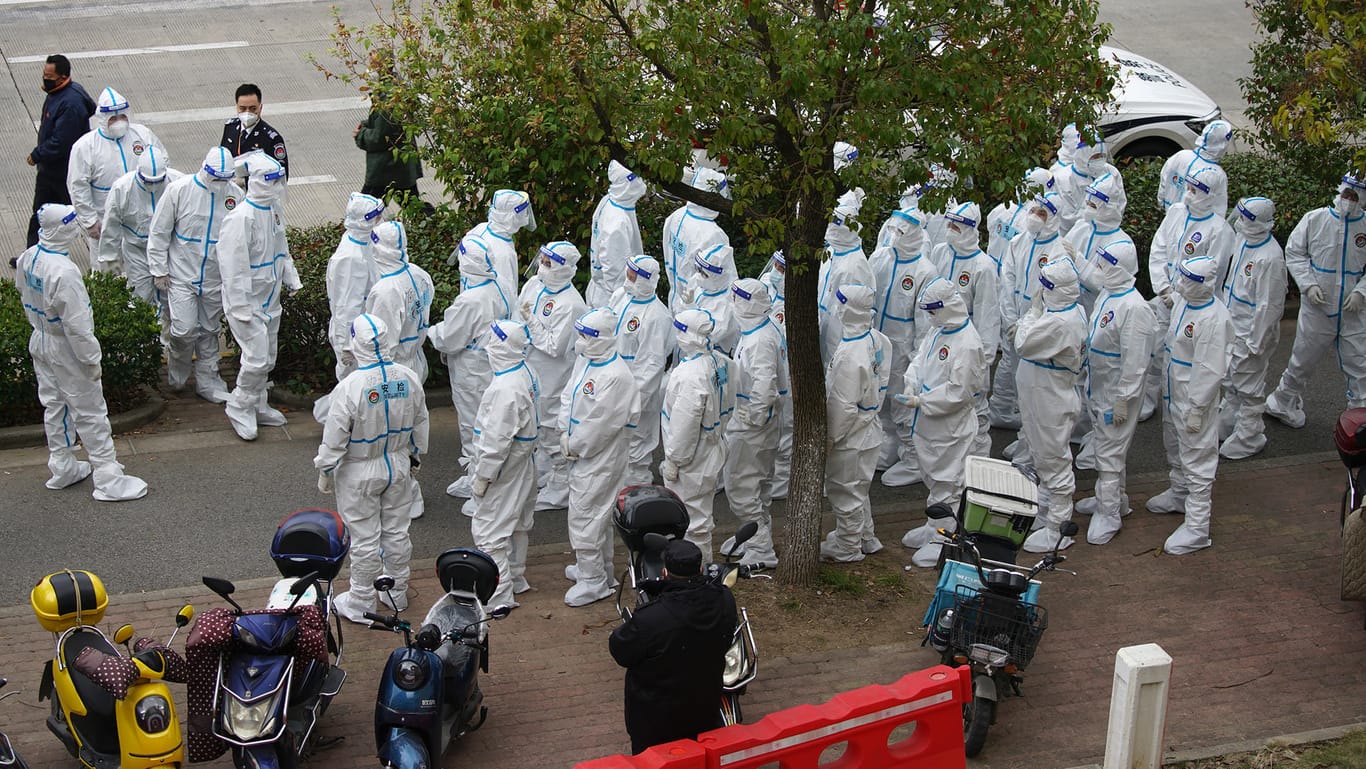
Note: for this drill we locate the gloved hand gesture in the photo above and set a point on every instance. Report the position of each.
(95, 229)
(325, 482)
(564, 447)
(1119, 412)
(1195, 420)
(1315, 295)
(414, 464)
(162, 282)
(909, 401)
(1354, 302)
(525, 309)
(1166, 296)
(479, 487)
(348, 358)
(669, 471)
(1070, 250)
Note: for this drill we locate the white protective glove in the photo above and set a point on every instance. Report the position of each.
(1166, 297)
(325, 482)
(1354, 302)
(669, 471)
(1315, 295)
(94, 371)
(479, 487)
(525, 309)
(909, 401)
(1070, 249)
(95, 229)
(1119, 412)
(348, 358)
(564, 447)
(162, 282)
(1195, 419)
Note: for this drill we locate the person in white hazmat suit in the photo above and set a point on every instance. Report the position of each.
(509, 213)
(549, 305)
(909, 201)
(616, 235)
(255, 265)
(1254, 293)
(1038, 244)
(1197, 342)
(598, 409)
(182, 257)
(709, 289)
(1118, 348)
(66, 361)
(372, 444)
(1214, 142)
(752, 433)
(689, 228)
(351, 273)
(774, 276)
(505, 435)
(855, 386)
(100, 157)
(901, 274)
(1067, 146)
(699, 390)
(1326, 255)
(941, 381)
(847, 264)
(1190, 228)
(460, 337)
(1007, 219)
(1101, 218)
(1051, 341)
(645, 338)
(128, 220)
(1089, 163)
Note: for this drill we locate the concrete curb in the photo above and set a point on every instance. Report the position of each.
(26, 436)
(1251, 746)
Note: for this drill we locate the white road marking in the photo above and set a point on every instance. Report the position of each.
(127, 51)
(272, 108)
(294, 181)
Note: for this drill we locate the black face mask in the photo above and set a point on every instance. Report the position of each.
(49, 85)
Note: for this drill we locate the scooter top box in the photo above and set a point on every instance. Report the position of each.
(998, 500)
(1349, 435)
(645, 509)
(67, 599)
(309, 541)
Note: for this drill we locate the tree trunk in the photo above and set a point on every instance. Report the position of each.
(805, 498)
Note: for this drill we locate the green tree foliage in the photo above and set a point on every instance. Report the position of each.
(1307, 92)
(538, 94)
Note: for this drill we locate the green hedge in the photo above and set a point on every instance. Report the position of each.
(129, 337)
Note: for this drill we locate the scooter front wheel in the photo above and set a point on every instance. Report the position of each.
(977, 716)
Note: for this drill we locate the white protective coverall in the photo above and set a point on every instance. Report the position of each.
(255, 265)
(689, 228)
(128, 220)
(752, 434)
(774, 276)
(1037, 244)
(645, 339)
(1088, 164)
(66, 360)
(599, 408)
(855, 386)
(505, 436)
(699, 391)
(1254, 293)
(846, 265)
(1007, 219)
(376, 429)
(509, 213)
(1051, 341)
(402, 295)
(461, 337)
(1123, 332)
(942, 380)
(351, 273)
(708, 289)
(100, 157)
(1197, 342)
(1067, 146)
(1209, 150)
(549, 305)
(182, 256)
(616, 235)
(1326, 255)
(1190, 228)
(1101, 218)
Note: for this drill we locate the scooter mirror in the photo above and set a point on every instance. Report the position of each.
(501, 612)
(124, 634)
(745, 534)
(302, 584)
(1069, 529)
(384, 583)
(183, 617)
(220, 586)
(655, 542)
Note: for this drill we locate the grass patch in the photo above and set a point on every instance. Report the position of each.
(1348, 752)
(839, 581)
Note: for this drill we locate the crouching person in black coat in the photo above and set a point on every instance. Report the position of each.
(673, 649)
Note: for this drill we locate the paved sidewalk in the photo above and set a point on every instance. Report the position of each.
(1262, 646)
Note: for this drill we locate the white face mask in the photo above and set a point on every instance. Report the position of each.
(1346, 207)
(117, 128)
(248, 119)
(1033, 225)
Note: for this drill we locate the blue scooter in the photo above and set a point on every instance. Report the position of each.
(429, 692)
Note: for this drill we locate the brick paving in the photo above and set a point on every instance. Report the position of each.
(1262, 645)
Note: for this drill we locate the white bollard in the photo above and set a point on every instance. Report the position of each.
(1138, 708)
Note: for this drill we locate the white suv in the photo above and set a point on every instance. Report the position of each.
(1154, 111)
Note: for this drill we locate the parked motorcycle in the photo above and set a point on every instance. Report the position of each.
(8, 758)
(109, 709)
(429, 693)
(1349, 435)
(647, 517)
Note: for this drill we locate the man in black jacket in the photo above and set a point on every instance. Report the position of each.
(673, 649)
(248, 131)
(66, 118)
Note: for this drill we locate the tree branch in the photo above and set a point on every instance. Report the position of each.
(664, 70)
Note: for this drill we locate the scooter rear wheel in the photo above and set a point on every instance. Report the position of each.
(977, 716)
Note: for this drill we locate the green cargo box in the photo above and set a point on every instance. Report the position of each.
(999, 500)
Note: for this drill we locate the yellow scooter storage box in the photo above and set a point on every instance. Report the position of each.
(65, 599)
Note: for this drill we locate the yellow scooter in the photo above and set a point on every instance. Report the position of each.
(111, 710)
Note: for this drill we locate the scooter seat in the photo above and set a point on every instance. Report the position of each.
(98, 728)
(651, 565)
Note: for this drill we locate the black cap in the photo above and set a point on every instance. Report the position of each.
(682, 558)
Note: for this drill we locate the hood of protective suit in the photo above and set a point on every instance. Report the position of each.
(265, 175)
(855, 308)
(1105, 202)
(711, 264)
(1203, 188)
(1048, 226)
(1345, 206)
(473, 261)
(597, 340)
(845, 154)
(110, 105)
(965, 217)
(559, 261)
(507, 344)
(907, 228)
(1215, 140)
(642, 277)
(1061, 284)
(751, 302)
(945, 306)
(57, 226)
(1066, 147)
(910, 198)
(1090, 157)
(363, 213)
(218, 167)
(1255, 218)
(390, 246)
(1114, 266)
(842, 232)
(511, 211)
(710, 180)
(1195, 279)
(370, 340)
(1037, 181)
(694, 329)
(152, 168)
(623, 186)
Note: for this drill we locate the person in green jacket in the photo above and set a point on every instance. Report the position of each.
(391, 165)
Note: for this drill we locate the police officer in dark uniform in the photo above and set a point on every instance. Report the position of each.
(248, 131)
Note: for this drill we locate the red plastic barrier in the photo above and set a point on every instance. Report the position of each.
(864, 719)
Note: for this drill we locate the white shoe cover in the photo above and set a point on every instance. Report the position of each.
(1184, 541)
(1103, 528)
(900, 474)
(241, 411)
(269, 415)
(400, 604)
(460, 488)
(74, 472)
(584, 593)
(352, 608)
(119, 487)
(571, 572)
(520, 585)
(870, 545)
(927, 556)
(1238, 447)
(830, 552)
(1288, 410)
(1043, 540)
(1087, 506)
(1167, 503)
(469, 508)
(924, 533)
